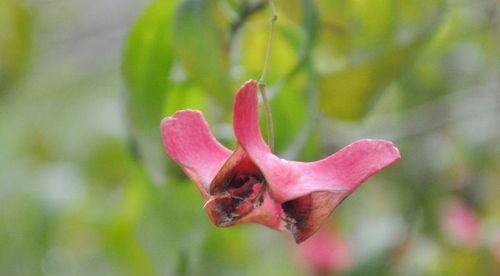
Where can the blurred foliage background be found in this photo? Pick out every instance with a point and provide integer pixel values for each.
(87, 189)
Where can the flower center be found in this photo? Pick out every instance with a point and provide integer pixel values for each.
(243, 193)
(237, 189)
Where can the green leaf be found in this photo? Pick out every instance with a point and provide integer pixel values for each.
(147, 63)
(289, 111)
(14, 41)
(284, 55)
(348, 94)
(310, 25)
(201, 47)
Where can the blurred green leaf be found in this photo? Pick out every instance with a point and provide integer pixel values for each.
(452, 61)
(301, 114)
(147, 63)
(15, 40)
(376, 265)
(308, 12)
(350, 27)
(284, 53)
(120, 237)
(202, 48)
(376, 19)
(174, 220)
(290, 109)
(185, 95)
(349, 93)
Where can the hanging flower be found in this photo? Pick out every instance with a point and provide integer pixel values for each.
(252, 185)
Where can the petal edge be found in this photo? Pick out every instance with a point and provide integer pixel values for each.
(189, 142)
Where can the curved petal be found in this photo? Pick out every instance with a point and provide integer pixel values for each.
(343, 171)
(246, 120)
(189, 141)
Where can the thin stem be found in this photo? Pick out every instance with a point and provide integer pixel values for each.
(262, 80)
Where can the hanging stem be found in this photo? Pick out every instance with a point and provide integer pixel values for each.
(262, 80)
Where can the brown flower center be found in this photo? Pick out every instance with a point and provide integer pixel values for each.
(242, 194)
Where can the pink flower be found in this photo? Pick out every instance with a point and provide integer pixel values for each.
(326, 252)
(460, 224)
(252, 185)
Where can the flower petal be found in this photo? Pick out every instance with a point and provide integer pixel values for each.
(343, 171)
(189, 141)
(246, 120)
